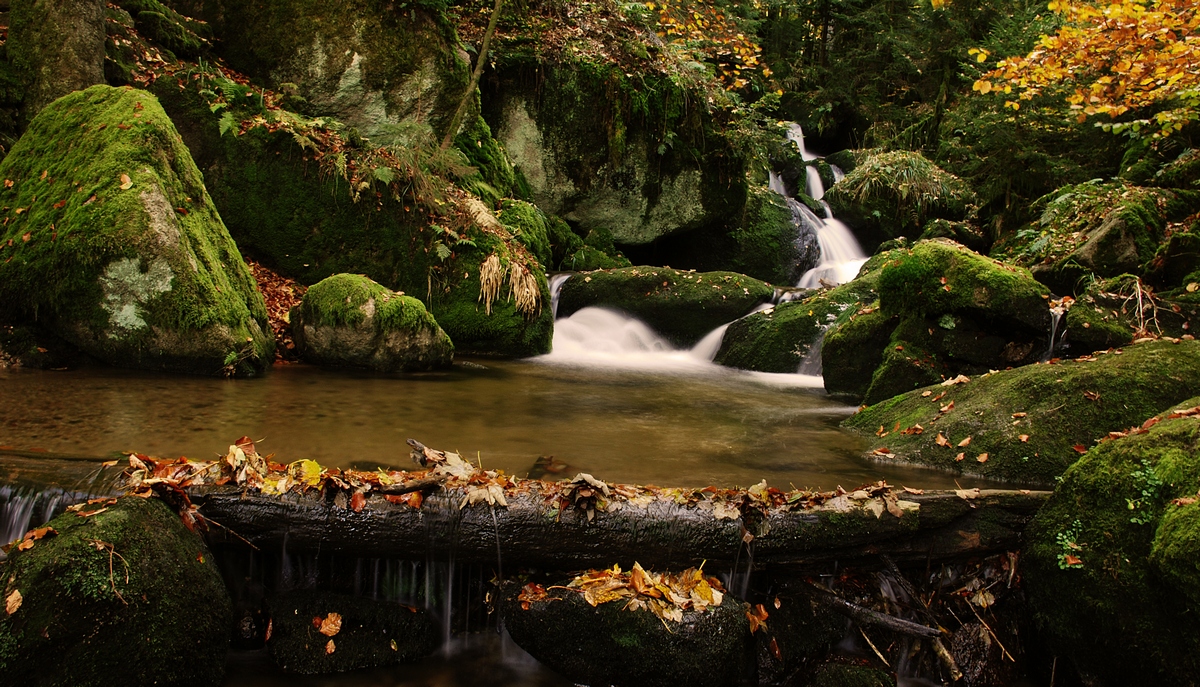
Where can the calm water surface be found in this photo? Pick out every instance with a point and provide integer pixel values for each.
(686, 426)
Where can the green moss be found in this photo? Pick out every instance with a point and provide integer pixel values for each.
(938, 277)
(128, 596)
(484, 152)
(897, 192)
(682, 306)
(529, 226)
(117, 267)
(184, 36)
(905, 365)
(338, 301)
(965, 233)
(282, 209)
(1065, 404)
(1183, 172)
(1088, 330)
(1119, 612)
(853, 351)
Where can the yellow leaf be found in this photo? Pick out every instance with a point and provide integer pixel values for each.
(12, 602)
(126, 182)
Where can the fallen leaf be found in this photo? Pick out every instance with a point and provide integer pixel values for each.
(910, 490)
(126, 182)
(758, 618)
(330, 647)
(1080, 448)
(983, 457)
(1091, 395)
(968, 494)
(331, 625)
(8, 183)
(357, 502)
(1072, 559)
(59, 205)
(941, 440)
(964, 443)
(270, 627)
(395, 647)
(26, 236)
(1024, 438)
(182, 211)
(948, 407)
(926, 394)
(1019, 415)
(960, 456)
(12, 602)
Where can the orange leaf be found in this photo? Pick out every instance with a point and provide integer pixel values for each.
(1072, 559)
(1024, 438)
(941, 440)
(331, 625)
(964, 443)
(960, 456)
(982, 458)
(357, 502)
(1080, 448)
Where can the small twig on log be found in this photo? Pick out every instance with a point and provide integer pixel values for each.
(247, 541)
(423, 484)
(866, 616)
(872, 645)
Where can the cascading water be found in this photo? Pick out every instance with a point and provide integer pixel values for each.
(841, 256)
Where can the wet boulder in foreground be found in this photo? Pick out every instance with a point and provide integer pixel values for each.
(348, 320)
(116, 593)
(1029, 424)
(608, 645)
(322, 632)
(1110, 561)
(681, 306)
(110, 241)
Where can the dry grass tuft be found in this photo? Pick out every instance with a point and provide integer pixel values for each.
(491, 278)
(525, 290)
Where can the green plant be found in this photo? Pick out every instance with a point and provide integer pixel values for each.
(1068, 542)
(1149, 488)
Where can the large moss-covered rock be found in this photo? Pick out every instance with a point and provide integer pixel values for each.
(1101, 228)
(1182, 172)
(347, 320)
(596, 151)
(126, 595)
(895, 193)
(1029, 421)
(612, 646)
(56, 47)
(370, 633)
(1110, 561)
(682, 306)
(366, 63)
(959, 312)
(283, 209)
(112, 241)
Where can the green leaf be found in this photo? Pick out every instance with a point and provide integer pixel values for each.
(228, 123)
(384, 174)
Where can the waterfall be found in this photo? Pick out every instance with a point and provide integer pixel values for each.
(841, 256)
(599, 337)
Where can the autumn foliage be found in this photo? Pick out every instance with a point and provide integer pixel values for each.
(1112, 58)
(711, 29)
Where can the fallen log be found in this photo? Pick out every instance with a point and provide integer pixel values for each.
(665, 535)
(476, 516)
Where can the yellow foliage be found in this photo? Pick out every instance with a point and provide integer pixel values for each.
(701, 25)
(1113, 57)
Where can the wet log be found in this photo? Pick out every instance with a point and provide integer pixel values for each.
(531, 532)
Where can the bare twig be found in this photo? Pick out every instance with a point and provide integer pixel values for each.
(872, 645)
(866, 616)
(989, 629)
(456, 120)
(423, 484)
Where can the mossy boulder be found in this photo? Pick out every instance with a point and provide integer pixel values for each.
(124, 596)
(347, 320)
(1029, 420)
(1110, 560)
(56, 47)
(1183, 172)
(777, 340)
(893, 193)
(366, 63)
(1113, 312)
(965, 233)
(599, 153)
(303, 223)
(372, 633)
(112, 242)
(803, 633)
(1100, 228)
(529, 226)
(608, 645)
(682, 306)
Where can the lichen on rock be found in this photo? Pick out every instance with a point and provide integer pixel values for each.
(112, 242)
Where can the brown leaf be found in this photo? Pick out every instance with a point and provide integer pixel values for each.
(357, 502)
(1091, 395)
(26, 236)
(758, 618)
(1080, 448)
(12, 602)
(941, 440)
(775, 650)
(1019, 415)
(983, 457)
(910, 490)
(59, 205)
(330, 647)
(1024, 438)
(182, 211)
(926, 394)
(960, 456)
(126, 182)
(331, 625)
(948, 407)
(8, 183)
(270, 628)
(964, 443)
(1072, 559)
(1150, 423)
